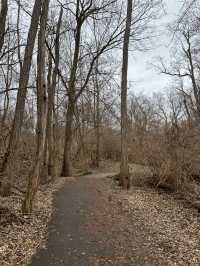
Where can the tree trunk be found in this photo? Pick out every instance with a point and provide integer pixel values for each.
(51, 96)
(66, 167)
(41, 114)
(44, 168)
(7, 81)
(22, 91)
(97, 118)
(124, 168)
(52, 157)
(3, 15)
(48, 138)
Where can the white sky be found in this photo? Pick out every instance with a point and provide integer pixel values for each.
(143, 76)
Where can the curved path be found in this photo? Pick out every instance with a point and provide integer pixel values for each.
(89, 227)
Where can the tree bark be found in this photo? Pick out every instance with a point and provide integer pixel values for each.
(66, 167)
(97, 118)
(124, 168)
(51, 97)
(22, 91)
(3, 15)
(48, 138)
(41, 114)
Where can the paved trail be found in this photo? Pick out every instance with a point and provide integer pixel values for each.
(89, 228)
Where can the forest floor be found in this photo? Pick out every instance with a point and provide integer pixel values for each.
(88, 220)
(21, 235)
(96, 223)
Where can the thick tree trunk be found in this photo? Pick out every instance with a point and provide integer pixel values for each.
(124, 168)
(41, 114)
(3, 15)
(21, 95)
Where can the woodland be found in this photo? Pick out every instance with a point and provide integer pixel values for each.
(68, 109)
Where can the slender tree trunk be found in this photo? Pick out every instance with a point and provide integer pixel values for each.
(97, 132)
(3, 15)
(52, 158)
(97, 118)
(22, 91)
(8, 80)
(80, 151)
(124, 168)
(5, 111)
(66, 167)
(51, 95)
(49, 131)
(189, 118)
(41, 114)
(48, 138)
(44, 168)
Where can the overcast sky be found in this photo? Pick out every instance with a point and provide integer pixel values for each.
(142, 75)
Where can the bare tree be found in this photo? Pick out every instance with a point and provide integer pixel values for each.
(107, 40)
(124, 168)
(97, 116)
(66, 168)
(41, 113)
(186, 65)
(49, 158)
(22, 91)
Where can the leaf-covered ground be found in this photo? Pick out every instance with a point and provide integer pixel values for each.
(20, 235)
(174, 228)
(96, 223)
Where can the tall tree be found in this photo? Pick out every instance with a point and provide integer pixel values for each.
(49, 155)
(41, 113)
(97, 116)
(124, 168)
(66, 168)
(22, 90)
(109, 37)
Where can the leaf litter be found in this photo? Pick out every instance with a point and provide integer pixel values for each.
(21, 235)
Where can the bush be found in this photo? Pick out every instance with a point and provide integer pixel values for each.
(170, 161)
